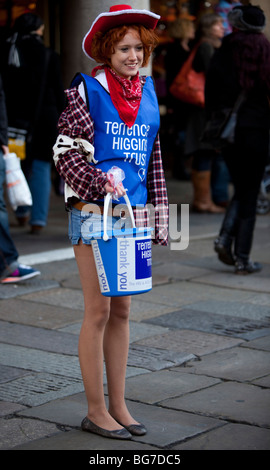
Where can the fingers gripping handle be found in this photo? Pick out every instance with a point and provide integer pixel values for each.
(107, 200)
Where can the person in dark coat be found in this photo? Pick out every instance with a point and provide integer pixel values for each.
(182, 32)
(209, 33)
(242, 63)
(11, 271)
(35, 98)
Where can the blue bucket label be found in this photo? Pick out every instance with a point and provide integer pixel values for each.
(143, 255)
(134, 264)
(102, 278)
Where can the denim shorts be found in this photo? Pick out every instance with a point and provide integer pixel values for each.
(82, 225)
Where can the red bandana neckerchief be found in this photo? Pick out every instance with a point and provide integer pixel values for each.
(125, 94)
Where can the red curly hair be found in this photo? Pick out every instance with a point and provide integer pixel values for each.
(103, 43)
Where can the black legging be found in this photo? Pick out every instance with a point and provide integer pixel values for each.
(246, 161)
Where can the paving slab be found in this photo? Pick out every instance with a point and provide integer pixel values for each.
(36, 389)
(230, 437)
(256, 282)
(227, 306)
(179, 271)
(231, 401)
(29, 286)
(262, 382)
(152, 358)
(78, 440)
(68, 298)
(209, 262)
(60, 270)
(17, 431)
(40, 361)
(39, 314)
(165, 427)
(38, 338)
(10, 373)
(156, 386)
(216, 323)
(72, 282)
(260, 343)
(240, 364)
(9, 408)
(141, 310)
(137, 330)
(194, 342)
(184, 293)
(48, 376)
(260, 299)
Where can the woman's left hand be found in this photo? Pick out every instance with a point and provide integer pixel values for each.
(5, 149)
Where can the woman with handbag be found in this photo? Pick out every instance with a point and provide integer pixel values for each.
(210, 32)
(115, 115)
(242, 64)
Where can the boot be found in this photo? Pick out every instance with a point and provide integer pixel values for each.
(242, 247)
(223, 244)
(202, 193)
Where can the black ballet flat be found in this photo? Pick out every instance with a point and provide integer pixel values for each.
(135, 429)
(89, 426)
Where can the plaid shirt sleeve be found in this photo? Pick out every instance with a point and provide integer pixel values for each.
(156, 212)
(88, 181)
(85, 179)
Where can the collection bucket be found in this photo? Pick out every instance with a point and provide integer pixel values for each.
(123, 258)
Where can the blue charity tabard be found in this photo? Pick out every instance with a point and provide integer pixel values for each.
(118, 145)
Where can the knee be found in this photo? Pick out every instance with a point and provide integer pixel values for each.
(120, 309)
(97, 315)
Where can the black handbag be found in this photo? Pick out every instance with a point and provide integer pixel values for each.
(219, 130)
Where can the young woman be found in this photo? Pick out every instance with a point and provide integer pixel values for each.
(242, 64)
(114, 117)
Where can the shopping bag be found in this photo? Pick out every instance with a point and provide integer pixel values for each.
(188, 85)
(17, 141)
(17, 187)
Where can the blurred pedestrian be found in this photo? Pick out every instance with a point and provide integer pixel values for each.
(35, 98)
(182, 31)
(209, 33)
(11, 271)
(222, 8)
(104, 114)
(242, 64)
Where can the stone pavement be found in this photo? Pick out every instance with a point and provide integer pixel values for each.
(198, 372)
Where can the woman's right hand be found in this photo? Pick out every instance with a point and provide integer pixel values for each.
(119, 190)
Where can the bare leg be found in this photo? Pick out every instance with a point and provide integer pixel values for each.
(116, 345)
(97, 311)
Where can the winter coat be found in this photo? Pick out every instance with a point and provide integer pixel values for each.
(222, 88)
(34, 94)
(3, 116)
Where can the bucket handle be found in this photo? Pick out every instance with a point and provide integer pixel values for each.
(105, 213)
